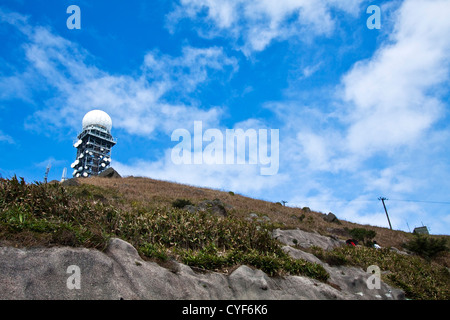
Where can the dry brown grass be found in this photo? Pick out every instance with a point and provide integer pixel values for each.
(155, 193)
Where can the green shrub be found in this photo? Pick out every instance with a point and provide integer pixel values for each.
(154, 251)
(426, 246)
(363, 235)
(269, 262)
(333, 257)
(181, 203)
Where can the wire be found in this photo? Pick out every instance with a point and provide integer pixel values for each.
(373, 200)
(424, 201)
(336, 200)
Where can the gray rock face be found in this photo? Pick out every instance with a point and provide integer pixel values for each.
(330, 217)
(215, 207)
(70, 183)
(305, 239)
(120, 273)
(350, 280)
(109, 173)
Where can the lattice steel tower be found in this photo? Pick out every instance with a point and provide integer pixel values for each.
(93, 145)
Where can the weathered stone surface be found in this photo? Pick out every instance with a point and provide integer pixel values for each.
(190, 208)
(70, 183)
(351, 280)
(299, 254)
(330, 217)
(254, 217)
(120, 273)
(215, 207)
(398, 251)
(109, 173)
(305, 239)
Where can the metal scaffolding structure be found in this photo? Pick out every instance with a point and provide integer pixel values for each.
(93, 145)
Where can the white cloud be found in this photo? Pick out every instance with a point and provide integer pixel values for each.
(157, 100)
(255, 24)
(394, 96)
(310, 70)
(6, 138)
(50, 161)
(384, 103)
(316, 149)
(392, 180)
(383, 133)
(154, 101)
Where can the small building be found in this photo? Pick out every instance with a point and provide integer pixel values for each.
(421, 230)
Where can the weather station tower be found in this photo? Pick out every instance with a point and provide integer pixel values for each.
(93, 145)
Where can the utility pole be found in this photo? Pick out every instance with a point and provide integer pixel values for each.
(382, 200)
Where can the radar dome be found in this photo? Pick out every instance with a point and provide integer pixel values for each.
(97, 118)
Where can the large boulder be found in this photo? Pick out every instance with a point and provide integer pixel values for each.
(306, 239)
(109, 173)
(330, 217)
(70, 183)
(215, 207)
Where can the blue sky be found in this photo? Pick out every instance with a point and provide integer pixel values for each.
(361, 113)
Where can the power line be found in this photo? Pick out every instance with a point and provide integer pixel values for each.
(424, 201)
(336, 200)
(373, 200)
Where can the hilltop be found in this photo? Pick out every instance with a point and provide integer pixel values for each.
(157, 193)
(174, 227)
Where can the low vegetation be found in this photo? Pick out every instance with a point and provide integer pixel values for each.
(363, 235)
(418, 278)
(49, 214)
(426, 246)
(181, 203)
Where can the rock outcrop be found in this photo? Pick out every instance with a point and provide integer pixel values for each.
(109, 173)
(215, 207)
(120, 273)
(330, 217)
(306, 239)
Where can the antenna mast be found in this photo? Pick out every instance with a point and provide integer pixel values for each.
(64, 175)
(47, 171)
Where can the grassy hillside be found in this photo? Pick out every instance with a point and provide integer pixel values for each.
(144, 212)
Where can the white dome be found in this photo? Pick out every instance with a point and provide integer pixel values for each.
(98, 118)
